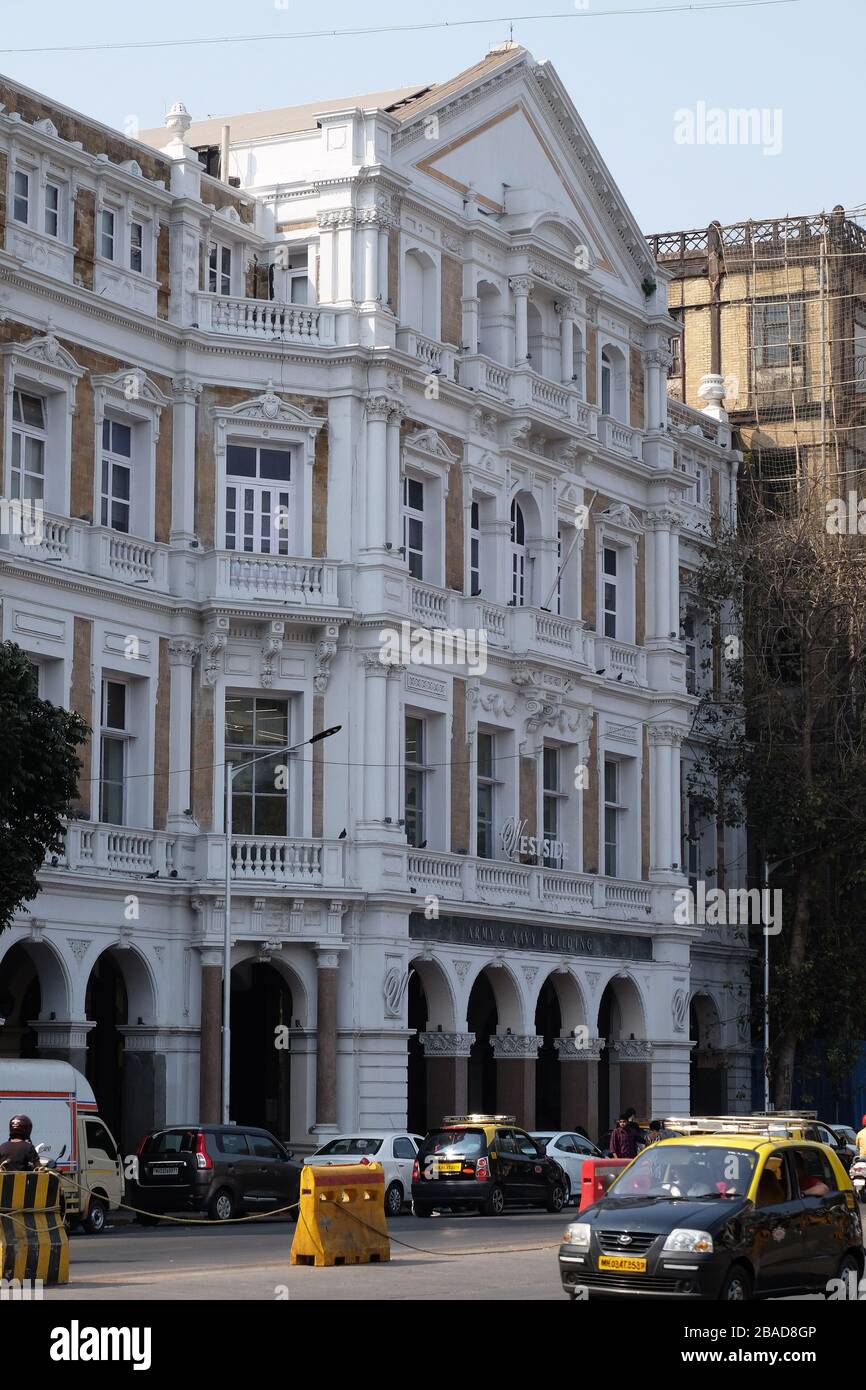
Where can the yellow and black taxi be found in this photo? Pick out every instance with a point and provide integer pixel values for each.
(719, 1216)
(484, 1163)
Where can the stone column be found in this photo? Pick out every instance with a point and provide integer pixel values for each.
(565, 313)
(382, 253)
(393, 518)
(375, 737)
(393, 741)
(182, 653)
(663, 589)
(210, 1039)
(634, 1058)
(378, 410)
(661, 817)
(579, 1082)
(369, 228)
(143, 1104)
(516, 1056)
(328, 964)
(183, 431)
(521, 287)
(447, 1066)
(470, 304)
(63, 1040)
(657, 362)
(671, 1079)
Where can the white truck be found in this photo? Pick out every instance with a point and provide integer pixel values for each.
(62, 1106)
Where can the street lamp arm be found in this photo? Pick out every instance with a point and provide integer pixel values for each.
(281, 752)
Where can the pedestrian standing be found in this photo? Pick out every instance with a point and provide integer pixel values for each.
(623, 1140)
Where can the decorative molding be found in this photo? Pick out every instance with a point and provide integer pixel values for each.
(429, 442)
(679, 1010)
(509, 1047)
(630, 1049)
(570, 1050)
(271, 648)
(446, 1044)
(326, 650)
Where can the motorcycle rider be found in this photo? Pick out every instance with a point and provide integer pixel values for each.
(860, 1141)
(18, 1155)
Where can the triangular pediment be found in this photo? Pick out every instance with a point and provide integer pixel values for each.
(512, 144)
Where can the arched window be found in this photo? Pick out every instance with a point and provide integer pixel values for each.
(606, 383)
(518, 555)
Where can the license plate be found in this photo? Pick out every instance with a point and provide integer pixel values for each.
(164, 1172)
(630, 1265)
(448, 1167)
(858, 1182)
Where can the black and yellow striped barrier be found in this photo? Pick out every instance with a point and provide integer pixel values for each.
(33, 1239)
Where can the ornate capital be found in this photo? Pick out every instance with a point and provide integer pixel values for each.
(380, 407)
(521, 285)
(630, 1049)
(182, 651)
(667, 734)
(573, 1050)
(662, 519)
(446, 1044)
(335, 218)
(511, 1047)
(185, 389)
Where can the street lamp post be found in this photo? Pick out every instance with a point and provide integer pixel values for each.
(231, 771)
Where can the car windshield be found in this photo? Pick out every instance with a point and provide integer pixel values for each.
(687, 1171)
(542, 1138)
(351, 1146)
(466, 1142)
(171, 1141)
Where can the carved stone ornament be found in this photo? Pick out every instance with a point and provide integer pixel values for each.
(679, 1010)
(630, 1049)
(573, 1050)
(446, 1044)
(509, 1047)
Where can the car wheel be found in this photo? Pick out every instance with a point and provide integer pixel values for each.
(495, 1204)
(394, 1200)
(556, 1197)
(94, 1221)
(145, 1219)
(422, 1209)
(221, 1206)
(567, 1186)
(849, 1275)
(737, 1287)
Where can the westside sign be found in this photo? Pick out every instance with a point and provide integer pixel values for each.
(514, 841)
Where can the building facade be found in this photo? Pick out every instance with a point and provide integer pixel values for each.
(372, 434)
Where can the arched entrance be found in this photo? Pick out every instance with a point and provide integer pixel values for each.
(548, 1068)
(260, 1080)
(708, 1077)
(20, 1003)
(482, 1017)
(623, 1080)
(107, 1006)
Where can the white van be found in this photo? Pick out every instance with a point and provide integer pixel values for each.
(62, 1106)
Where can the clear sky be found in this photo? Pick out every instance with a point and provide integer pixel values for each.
(631, 77)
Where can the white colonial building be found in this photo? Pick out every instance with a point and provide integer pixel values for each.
(400, 377)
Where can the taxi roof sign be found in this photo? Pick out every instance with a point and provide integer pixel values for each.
(480, 1120)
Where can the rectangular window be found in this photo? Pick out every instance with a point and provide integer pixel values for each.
(612, 812)
(259, 515)
(486, 796)
(28, 447)
(691, 655)
(609, 565)
(413, 525)
(116, 494)
(778, 334)
(416, 773)
(219, 268)
(106, 234)
(21, 196)
(475, 549)
(113, 753)
(257, 727)
(552, 795)
(136, 246)
(52, 210)
(299, 285)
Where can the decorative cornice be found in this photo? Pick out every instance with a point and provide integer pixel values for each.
(509, 1047)
(573, 1050)
(446, 1044)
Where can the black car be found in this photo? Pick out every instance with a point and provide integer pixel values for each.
(485, 1163)
(218, 1169)
(728, 1217)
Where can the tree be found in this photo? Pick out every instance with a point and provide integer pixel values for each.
(39, 779)
(783, 733)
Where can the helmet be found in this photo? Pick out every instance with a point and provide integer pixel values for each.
(20, 1127)
(863, 1121)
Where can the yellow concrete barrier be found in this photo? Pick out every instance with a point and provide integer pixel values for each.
(341, 1220)
(33, 1239)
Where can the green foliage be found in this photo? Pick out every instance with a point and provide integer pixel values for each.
(39, 780)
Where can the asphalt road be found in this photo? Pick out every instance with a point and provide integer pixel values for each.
(449, 1257)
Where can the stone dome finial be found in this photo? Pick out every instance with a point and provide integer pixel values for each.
(178, 120)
